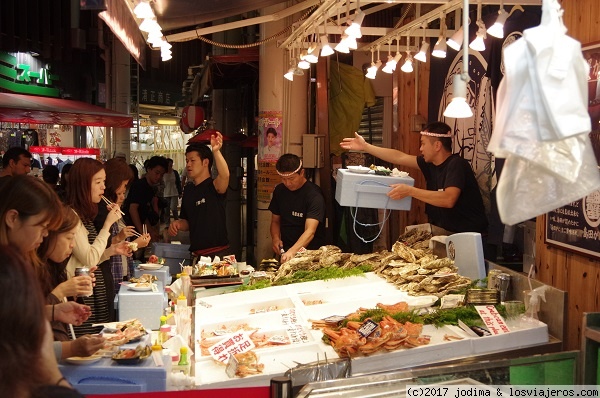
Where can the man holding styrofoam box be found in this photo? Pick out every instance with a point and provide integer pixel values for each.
(453, 198)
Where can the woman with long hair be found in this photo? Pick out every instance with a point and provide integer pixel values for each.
(28, 209)
(84, 192)
(118, 175)
(54, 253)
(28, 367)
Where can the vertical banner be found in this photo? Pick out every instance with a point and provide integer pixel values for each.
(270, 129)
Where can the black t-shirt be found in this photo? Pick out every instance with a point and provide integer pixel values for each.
(204, 209)
(294, 207)
(141, 193)
(468, 214)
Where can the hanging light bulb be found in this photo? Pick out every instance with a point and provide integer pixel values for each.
(478, 43)
(354, 28)
(143, 10)
(326, 49)
(458, 107)
(390, 65)
(342, 46)
(456, 40)
(290, 74)
(408, 64)
(351, 42)
(497, 29)
(149, 25)
(422, 54)
(372, 70)
(303, 64)
(440, 48)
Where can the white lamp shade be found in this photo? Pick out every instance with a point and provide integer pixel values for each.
(166, 57)
(149, 25)
(458, 107)
(371, 71)
(390, 65)
(342, 47)
(497, 29)
(351, 42)
(290, 74)
(326, 49)
(422, 54)
(439, 50)
(354, 28)
(143, 10)
(477, 44)
(408, 64)
(456, 40)
(303, 64)
(312, 58)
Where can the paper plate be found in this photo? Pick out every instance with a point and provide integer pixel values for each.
(83, 360)
(359, 169)
(139, 288)
(150, 266)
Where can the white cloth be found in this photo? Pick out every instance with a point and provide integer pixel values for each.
(542, 123)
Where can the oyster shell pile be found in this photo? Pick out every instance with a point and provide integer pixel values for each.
(410, 265)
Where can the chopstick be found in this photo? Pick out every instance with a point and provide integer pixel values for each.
(108, 202)
(136, 233)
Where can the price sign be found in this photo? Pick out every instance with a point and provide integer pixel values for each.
(236, 344)
(492, 319)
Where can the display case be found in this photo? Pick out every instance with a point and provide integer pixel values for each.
(282, 315)
(548, 369)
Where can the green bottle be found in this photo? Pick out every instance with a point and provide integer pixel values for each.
(183, 358)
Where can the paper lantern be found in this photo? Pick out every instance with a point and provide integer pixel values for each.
(184, 127)
(192, 116)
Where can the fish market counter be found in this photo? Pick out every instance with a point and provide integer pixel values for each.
(276, 325)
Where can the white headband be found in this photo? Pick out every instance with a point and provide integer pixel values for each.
(292, 173)
(449, 134)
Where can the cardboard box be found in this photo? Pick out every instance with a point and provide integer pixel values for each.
(369, 190)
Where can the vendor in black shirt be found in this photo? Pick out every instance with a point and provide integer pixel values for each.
(203, 203)
(298, 210)
(453, 198)
(139, 206)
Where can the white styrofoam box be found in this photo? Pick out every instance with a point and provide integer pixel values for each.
(210, 373)
(162, 274)
(528, 334)
(206, 327)
(341, 294)
(260, 335)
(107, 377)
(352, 304)
(369, 190)
(244, 296)
(245, 308)
(145, 306)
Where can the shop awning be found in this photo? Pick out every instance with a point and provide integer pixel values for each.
(19, 108)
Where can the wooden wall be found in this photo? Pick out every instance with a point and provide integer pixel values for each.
(578, 275)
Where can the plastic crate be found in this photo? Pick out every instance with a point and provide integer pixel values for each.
(173, 255)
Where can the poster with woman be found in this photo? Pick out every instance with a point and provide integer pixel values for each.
(270, 131)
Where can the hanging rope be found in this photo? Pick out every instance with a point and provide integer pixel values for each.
(260, 42)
